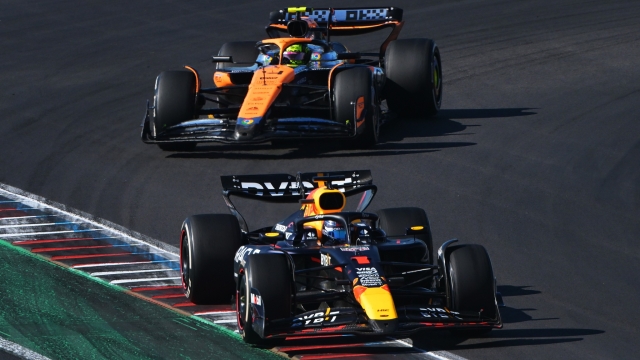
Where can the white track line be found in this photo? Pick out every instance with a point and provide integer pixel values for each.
(111, 264)
(216, 313)
(19, 351)
(47, 233)
(224, 321)
(36, 225)
(88, 218)
(25, 217)
(121, 263)
(439, 355)
(106, 273)
(128, 281)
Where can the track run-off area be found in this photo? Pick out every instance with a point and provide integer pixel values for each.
(535, 154)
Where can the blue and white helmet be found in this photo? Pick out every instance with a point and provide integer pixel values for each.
(334, 233)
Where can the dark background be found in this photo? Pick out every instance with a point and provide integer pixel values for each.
(535, 153)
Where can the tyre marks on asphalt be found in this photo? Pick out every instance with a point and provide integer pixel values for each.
(149, 271)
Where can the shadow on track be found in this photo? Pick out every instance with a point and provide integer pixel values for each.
(501, 338)
(336, 348)
(444, 125)
(505, 337)
(512, 315)
(510, 290)
(326, 150)
(391, 135)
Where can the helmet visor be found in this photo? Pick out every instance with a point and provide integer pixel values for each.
(293, 55)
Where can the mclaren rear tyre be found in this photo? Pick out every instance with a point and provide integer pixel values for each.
(396, 221)
(208, 244)
(354, 94)
(272, 276)
(414, 77)
(174, 102)
(471, 283)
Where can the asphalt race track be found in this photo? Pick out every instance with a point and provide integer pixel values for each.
(535, 153)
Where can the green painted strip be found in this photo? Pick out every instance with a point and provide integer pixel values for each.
(49, 309)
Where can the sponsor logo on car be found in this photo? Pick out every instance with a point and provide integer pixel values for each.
(256, 299)
(278, 190)
(354, 248)
(369, 276)
(310, 235)
(291, 187)
(317, 319)
(242, 252)
(436, 312)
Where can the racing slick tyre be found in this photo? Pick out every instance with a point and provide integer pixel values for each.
(349, 86)
(272, 276)
(471, 281)
(395, 221)
(240, 52)
(414, 77)
(174, 102)
(208, 244)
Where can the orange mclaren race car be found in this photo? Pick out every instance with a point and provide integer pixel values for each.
(299, 84)
(331, 272)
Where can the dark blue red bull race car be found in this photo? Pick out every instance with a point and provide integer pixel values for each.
(325, 270)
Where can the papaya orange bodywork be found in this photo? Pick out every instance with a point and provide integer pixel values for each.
(221, 79)
(196, 75)
(359, 110)
(264, 89)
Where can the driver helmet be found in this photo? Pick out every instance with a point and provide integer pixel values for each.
(297, 54)
(333, 233)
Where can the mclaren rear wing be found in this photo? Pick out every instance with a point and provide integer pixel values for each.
(285, 188)
(342, 21)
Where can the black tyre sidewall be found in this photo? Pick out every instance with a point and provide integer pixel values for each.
(349, 85)
(212, 241)
(240, 51)
(410, 88)
(395, 221)
(471, 280)
(174, 100)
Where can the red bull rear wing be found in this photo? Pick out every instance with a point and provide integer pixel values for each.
(290, 188)
(284, 188)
